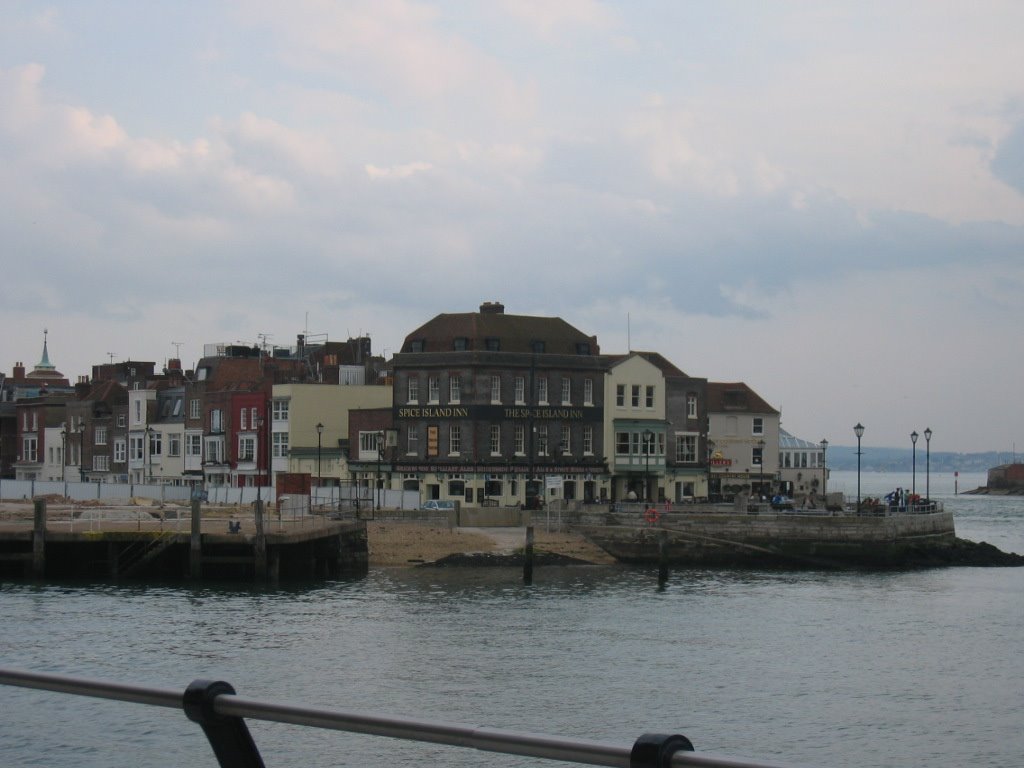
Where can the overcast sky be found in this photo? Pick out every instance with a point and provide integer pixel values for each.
(825, 200)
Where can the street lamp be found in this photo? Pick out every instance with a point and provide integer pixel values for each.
(319, 435)
(760, 482)
(380, 455)
(859, 431)
(259, 469)
(913, 465)
(648, 437)
(824, 472)
(64, 454)
(147, 464)
(711, 451)
(81, 451)
(928, 464)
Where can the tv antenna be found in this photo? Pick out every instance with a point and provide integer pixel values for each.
(177, 348)
(111, 356)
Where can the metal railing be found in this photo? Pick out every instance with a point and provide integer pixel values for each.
(220, 712)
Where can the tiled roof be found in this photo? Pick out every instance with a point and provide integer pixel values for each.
(656, 359)
(735, 396)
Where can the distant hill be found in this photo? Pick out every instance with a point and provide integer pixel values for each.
(841, 457)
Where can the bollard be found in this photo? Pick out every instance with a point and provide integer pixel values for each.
(39, 538)
(195, 552)
(662, 557)
(261, 541)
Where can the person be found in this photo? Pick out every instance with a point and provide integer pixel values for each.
(631, 496)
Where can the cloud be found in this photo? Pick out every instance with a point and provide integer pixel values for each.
(1008, 161)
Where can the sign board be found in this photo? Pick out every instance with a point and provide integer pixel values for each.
(552, 482)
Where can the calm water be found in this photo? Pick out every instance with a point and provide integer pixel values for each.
(866, 669)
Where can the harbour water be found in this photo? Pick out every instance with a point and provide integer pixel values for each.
(797, 667)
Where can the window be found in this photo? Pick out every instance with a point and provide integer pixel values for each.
(370, 442)
(433, 389)
(588, 391)
(588, 440)
(215, 450)
(566, 391)
(416, 345)
(537, 346)
(454, 439)
(460, 343)
(30, 449)
(622, 443)
(455, 388)
(495, 440)
(100, 435)
(194, 445)
(120, 451)
(634, 397)
(542, 440)
(495, 388)
(564, 444)
(412, 390)
(756, 455)
(620, 395)
(216, 420)
(413, 440)
(279, 410)
(254, 417)
(246, 448)
(120, 419)
(174, 445)
(691, 406)
(520, 390)
(686, 448)
(649, 399)
(542, 391)
(520, 440)
(155, 443)
(279, 445)
(135, 447)
(758, 425)
(492, 344)
(456, 485)
(582, 348)
(138, 411)
(243, 421)
(193, 408)
(101, 463)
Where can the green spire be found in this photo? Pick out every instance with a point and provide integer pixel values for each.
(44, 364)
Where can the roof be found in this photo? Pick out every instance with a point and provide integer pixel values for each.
(735, 396)
(787, 440)
(515, 333)
(667, 368)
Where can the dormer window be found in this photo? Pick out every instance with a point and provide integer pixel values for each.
(416, 345)
(537, 346)
(582, 348)
(492, 344)
(460, 344)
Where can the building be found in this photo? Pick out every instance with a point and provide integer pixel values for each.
(744, 438)
(497, 408)
(802, 470)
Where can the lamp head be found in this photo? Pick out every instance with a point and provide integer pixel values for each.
(319, 428)
(913, 437)
(859, 430)
(824, 444)
(928, 433)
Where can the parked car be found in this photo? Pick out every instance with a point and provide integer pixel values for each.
(438, 505)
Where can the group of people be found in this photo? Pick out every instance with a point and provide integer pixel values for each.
(902, 498)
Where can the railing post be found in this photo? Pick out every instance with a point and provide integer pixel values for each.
(228, 735)
(655, 750)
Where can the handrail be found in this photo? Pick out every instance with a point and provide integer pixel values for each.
(216, 707)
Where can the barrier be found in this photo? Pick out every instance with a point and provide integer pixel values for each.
(219, 711)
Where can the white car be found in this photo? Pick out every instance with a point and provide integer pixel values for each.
(436, 504)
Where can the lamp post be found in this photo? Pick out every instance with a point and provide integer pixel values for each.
(380, 455)
(859, 431)
(648, 437)
(760, 482)
(913, 464)
(824, 471)
(259, 472)
(927, 464)
(319, 436)
(711, 451)
(81, 451)
(147, 463)
(63, 454)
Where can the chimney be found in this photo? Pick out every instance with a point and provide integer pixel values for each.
(19, 372)
(174, 364)
(492, 308)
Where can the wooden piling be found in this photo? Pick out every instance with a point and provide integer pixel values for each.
(39, 538)
(261, 542)
(662, 557)
(195, 551)
(528, 556)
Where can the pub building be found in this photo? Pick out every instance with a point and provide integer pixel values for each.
(492, 408)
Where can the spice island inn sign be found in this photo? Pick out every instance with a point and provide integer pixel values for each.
(499, 413)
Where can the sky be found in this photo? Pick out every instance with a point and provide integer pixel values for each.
(824, 200)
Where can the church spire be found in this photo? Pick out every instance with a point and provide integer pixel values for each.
(44, 364)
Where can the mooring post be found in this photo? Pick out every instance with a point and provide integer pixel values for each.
(662, 557)
(38, 538)
(195, 550)
(528, 556)
(261, 541)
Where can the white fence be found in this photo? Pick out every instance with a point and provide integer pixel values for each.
(326, 496)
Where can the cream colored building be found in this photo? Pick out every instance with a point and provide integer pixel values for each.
(296, 410)
(744, 441)
(635, 428)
